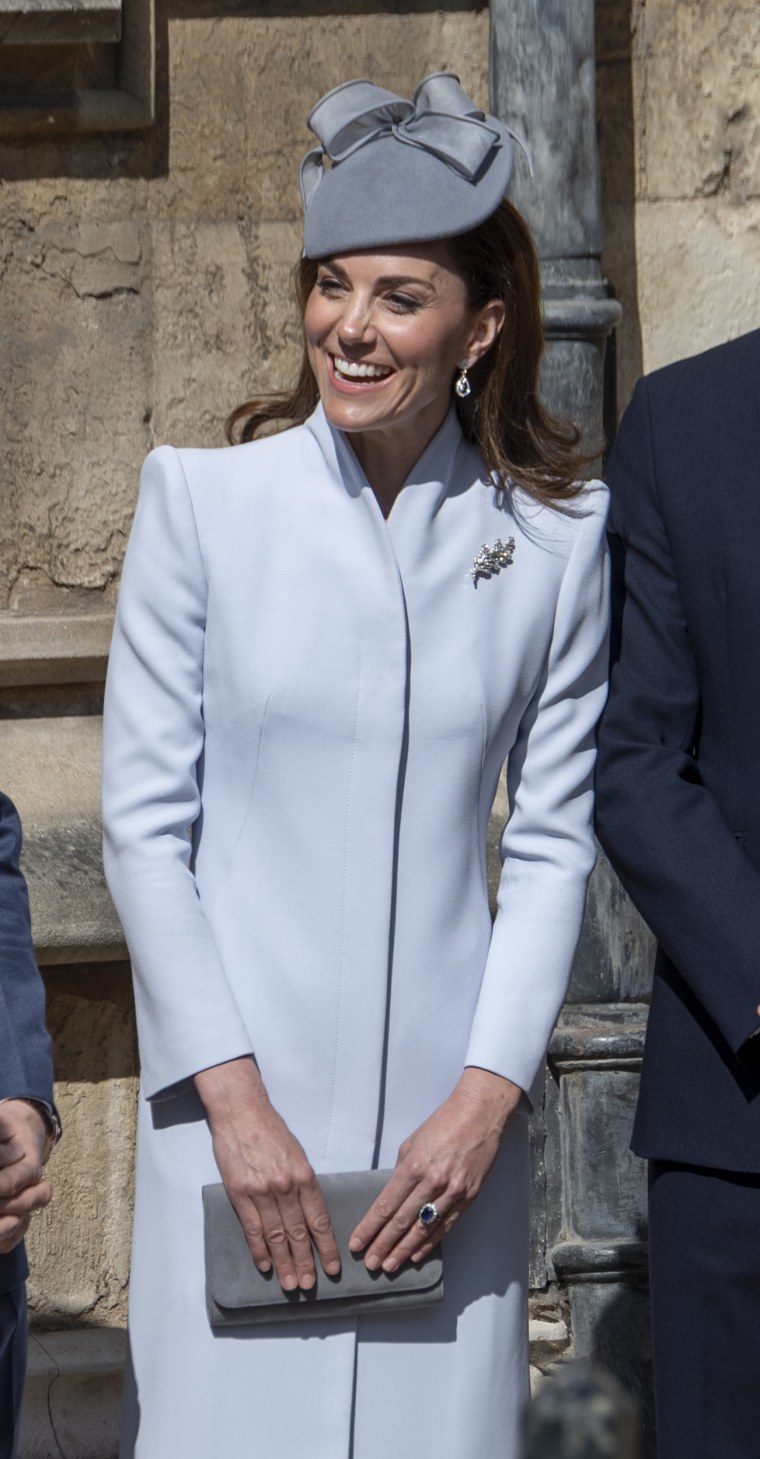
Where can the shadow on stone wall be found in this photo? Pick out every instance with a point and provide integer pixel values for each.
(616, 139)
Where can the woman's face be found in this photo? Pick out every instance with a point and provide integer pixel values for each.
(385, 331)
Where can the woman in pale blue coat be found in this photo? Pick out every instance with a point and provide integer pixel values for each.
(328, 641)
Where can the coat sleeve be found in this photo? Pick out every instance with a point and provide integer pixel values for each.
(660, 825)
(153, 742)
(26, 1069)
(547, 847)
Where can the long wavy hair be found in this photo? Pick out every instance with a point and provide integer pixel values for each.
(520, 441)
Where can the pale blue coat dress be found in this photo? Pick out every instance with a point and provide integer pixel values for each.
(326, 699)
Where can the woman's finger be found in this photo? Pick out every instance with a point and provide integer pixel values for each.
(320, 1227)
(278, 1245)
(383, 1210)
(250, 1220)
(434, 1237)
(280, 1231)
(404, 1232)
(297, 1235)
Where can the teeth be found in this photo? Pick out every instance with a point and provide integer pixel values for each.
(355, 371)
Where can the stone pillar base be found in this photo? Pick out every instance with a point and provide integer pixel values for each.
(73, 1394)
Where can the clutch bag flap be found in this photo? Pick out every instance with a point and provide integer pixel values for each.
(237, 1293)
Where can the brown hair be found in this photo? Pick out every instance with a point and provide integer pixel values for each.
(504, 417)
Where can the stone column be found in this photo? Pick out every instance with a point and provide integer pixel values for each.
(542, 85)
(588, 1223)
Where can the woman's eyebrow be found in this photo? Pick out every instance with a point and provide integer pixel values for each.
(386, 281)
(392, 281)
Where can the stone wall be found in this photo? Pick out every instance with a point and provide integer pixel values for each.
(678, 87)
(145, 278)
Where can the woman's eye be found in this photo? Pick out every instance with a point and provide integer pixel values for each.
(328, 285)
(403, 303)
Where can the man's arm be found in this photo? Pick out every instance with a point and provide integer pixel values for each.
(660, 825)
(27, 1117)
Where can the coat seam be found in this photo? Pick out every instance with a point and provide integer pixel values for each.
(196, 528)
(344, 900)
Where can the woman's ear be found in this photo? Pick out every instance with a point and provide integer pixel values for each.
(488, 326)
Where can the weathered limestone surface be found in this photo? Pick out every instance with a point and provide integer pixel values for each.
(79, 1247)
(699, 70)
(144, 281)
(72, 411)
(51, 768)
(698, 105)
(699, 274)
(53, 649)
(679, 130)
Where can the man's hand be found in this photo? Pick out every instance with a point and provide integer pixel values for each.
(23, 1142)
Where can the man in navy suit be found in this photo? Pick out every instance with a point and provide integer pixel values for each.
(679, 815)
(28, 1122)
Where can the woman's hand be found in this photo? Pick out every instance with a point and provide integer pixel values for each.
(446, 1161)
(267, 1176)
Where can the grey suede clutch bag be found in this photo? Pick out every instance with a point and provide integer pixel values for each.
(237, 1293)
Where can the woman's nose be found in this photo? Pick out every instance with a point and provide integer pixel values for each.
(356, 324)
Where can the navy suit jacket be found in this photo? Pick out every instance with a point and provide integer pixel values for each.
(25, 1062)
(679, 765)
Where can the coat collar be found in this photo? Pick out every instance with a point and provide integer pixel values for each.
(447, 466)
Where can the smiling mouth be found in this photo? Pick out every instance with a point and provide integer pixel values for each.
(363, 373)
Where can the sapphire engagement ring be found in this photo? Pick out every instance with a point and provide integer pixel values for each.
(428, 1214)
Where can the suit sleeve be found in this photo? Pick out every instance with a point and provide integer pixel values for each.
(548, 844)
(660, 825)
(153, 742)
(26, 1069)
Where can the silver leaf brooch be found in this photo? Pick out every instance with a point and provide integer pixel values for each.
(491, 560)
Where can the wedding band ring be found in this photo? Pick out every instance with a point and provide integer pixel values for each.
(428, 1214)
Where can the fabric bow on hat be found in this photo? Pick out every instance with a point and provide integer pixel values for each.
(441, 118)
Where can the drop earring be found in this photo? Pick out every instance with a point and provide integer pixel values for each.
(461, 384)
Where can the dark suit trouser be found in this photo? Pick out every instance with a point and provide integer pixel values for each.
(704, 1252)
(12, 1366)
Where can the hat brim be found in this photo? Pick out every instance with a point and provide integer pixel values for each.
(389, 192)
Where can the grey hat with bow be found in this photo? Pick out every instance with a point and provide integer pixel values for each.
(400, 171)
